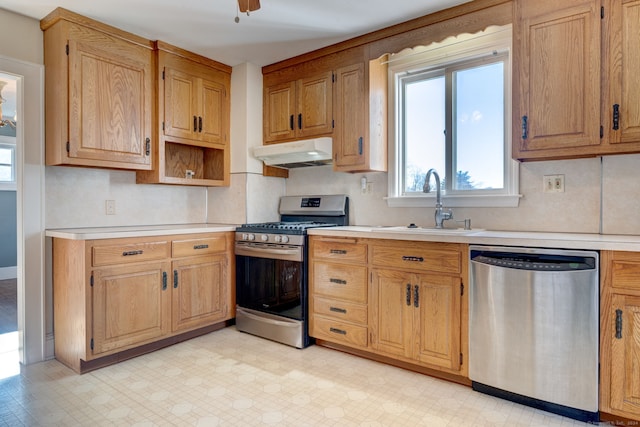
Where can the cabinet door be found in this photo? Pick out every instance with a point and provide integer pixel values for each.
(556, 78)
(199, 292)
(315, 105)
(279, 112)
(391, 312)
(437, 321)
(621, 113)
(180, 105)
(110, 102)
(213, 110)
(625, 353)
(130, 305)
(349, 143)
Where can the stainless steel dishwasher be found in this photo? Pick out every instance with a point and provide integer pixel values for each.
(533, 327)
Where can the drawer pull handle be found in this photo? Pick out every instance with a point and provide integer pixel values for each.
(175, 279)
(412, 258)
(338, 331)
(129, 253)
(416, 296)
(338, 281)
(338, 251)
(338, 310)
(619, 324)
(164, 280)
(408, 295)
(200, 246)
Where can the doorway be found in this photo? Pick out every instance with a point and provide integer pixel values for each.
(9, 357)
(29, 193)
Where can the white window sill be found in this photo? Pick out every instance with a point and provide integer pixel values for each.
(467, 201)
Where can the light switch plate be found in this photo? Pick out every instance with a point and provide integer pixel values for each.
(553, 184)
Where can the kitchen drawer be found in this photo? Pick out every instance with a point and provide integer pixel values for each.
(336, 250)
(339, 332)
(340, 281)
(125, 253)
(194, 247)
(625, 270)
(340, 310)
(439, 257)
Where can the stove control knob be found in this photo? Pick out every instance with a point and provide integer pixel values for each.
(278, 238)
(264, 238)
(250, 237)
(284, 239)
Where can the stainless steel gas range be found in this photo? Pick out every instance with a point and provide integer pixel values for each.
(272, 268)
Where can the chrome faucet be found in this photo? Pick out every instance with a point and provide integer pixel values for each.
(441, 214)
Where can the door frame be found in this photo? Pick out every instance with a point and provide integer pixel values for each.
(30, 183)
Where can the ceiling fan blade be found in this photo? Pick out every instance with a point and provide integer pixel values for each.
(248, 5)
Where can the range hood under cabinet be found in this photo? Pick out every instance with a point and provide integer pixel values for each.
(288, 155)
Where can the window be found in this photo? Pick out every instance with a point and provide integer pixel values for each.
(7, 163)
(452, 113)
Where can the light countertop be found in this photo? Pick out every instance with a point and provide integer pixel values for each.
(486, 237)
(136, 231)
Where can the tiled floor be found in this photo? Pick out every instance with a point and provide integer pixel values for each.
(228, 378)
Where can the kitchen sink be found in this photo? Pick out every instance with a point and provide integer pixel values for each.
(425, 230)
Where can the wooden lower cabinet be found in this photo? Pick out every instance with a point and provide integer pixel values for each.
(620, 334)
(113, 297)
(416, 317)
(401, 300)
(199, 292)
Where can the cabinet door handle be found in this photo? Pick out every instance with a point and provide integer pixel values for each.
(300, 121)
(130, 253)
(525, 127)
(338, 281)
(338, 331)
(175, 279)
(619, 324)
(338, 310)
(147, 147)
(195, 123)
(413, 258)
(360, 149)
(408, 296)
(199, 123)
(616, 116)
(164, 280)
(291, 122)
(200, 246)
(416, 296)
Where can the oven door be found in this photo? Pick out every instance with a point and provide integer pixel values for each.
(271, 279)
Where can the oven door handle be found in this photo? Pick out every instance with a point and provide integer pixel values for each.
(294, 254)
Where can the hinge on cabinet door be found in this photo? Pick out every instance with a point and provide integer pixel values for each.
(91, 344)
(461, 289)
(162, 74)
(333, 78)
(461, 358)
(67, 49)
(601, 131)
(601, 12)
(333, 124)
(91, 281)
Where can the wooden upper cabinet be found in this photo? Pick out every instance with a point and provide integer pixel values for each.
(556, 79)
(621, 103)
(360, 104)
(193, 146)
(98, 94)
(195, 105)
(299, 109)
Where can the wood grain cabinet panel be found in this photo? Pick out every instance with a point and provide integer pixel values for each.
(98, 94)
(620, 334)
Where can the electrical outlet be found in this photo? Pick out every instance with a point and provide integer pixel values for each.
(553, 183)
(110, 207)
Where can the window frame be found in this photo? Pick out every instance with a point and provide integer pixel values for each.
(10, 142)
(452, 53)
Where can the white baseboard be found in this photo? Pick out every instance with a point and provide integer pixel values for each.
(8, 273)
